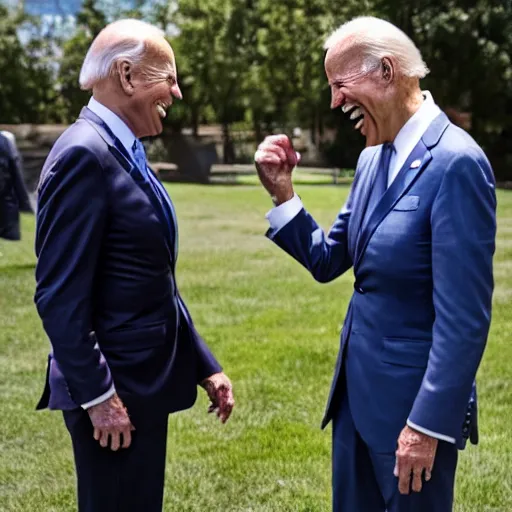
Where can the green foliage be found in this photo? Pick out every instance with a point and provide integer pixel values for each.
(27, 82)
(90, 21)
(260, 62)
(467, 45)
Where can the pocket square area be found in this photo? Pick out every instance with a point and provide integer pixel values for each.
(407, 204)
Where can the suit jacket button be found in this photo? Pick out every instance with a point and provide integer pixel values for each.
(357, 288)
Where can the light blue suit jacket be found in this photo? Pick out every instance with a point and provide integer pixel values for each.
(418, 320)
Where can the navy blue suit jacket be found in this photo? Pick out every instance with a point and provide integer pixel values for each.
(418, 320)
(106, 290)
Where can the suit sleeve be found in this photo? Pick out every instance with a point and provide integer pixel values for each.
(463, 224)
(325, 256)
(71, 217)
(207, 365)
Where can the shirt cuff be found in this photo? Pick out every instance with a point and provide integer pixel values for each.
(427, 432)
(100, 399)
(279, 216)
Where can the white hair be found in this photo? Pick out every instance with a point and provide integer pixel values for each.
(129, 45)
(378, 39)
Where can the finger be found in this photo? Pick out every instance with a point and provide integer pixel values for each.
(115, 442)
(97, 434)
(416, 480)
(291, 156)
(404, 477)
(267, 157)
(428, 474)
(280, 140)
(226, 408)
(226, 413)
(127, 438)
(104, 438)
(279, 151)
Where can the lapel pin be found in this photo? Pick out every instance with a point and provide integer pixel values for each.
(415, 164)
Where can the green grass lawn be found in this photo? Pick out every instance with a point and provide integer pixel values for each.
(276, 332)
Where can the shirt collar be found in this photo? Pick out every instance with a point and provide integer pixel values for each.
(416, 126)
(115, 123)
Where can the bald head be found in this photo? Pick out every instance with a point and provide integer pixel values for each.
(132, 41)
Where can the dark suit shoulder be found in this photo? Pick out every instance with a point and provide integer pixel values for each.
(79, 136)
(79, 147)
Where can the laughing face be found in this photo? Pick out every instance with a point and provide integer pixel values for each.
(155, 84)
(361, 91)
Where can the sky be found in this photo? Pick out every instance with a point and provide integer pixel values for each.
(60, 7)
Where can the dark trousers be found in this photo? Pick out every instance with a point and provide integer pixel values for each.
(129, 480)
(363, 480)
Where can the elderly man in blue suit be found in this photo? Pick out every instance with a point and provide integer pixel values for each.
(418, 228)
(125, 350)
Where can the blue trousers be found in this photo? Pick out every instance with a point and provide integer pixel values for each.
(363, 480)
(129, 480)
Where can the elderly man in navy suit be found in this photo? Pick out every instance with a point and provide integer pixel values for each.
(419, 229)
(125, 352)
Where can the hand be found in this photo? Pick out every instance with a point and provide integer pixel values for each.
(220, 392)
(110, 419)
(415, 454)
(275, 160)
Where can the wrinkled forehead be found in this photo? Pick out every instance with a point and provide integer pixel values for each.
(159, 55)
(344, 59)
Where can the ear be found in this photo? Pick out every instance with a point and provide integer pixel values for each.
(388, 70)
(125, 72)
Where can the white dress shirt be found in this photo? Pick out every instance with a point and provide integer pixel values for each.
(404, 143)
(127, 138)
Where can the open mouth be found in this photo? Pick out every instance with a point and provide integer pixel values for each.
(162, 107)
(355, 114)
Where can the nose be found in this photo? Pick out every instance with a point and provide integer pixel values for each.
(337, 98)
(176, 92)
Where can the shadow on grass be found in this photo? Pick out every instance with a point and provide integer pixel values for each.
(11, 269)
(241, 183)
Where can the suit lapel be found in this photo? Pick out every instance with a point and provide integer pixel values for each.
(364, 199)
(408, 174)
(119, 152)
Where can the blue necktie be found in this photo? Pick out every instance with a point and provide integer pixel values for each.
(380, 183)
(139, 155)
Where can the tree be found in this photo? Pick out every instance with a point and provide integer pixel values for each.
(467, 45)
(212, 54)
(27, 85)
(90, 21)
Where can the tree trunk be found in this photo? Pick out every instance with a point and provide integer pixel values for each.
(228, 147)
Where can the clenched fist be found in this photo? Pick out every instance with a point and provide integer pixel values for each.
(275, 160)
